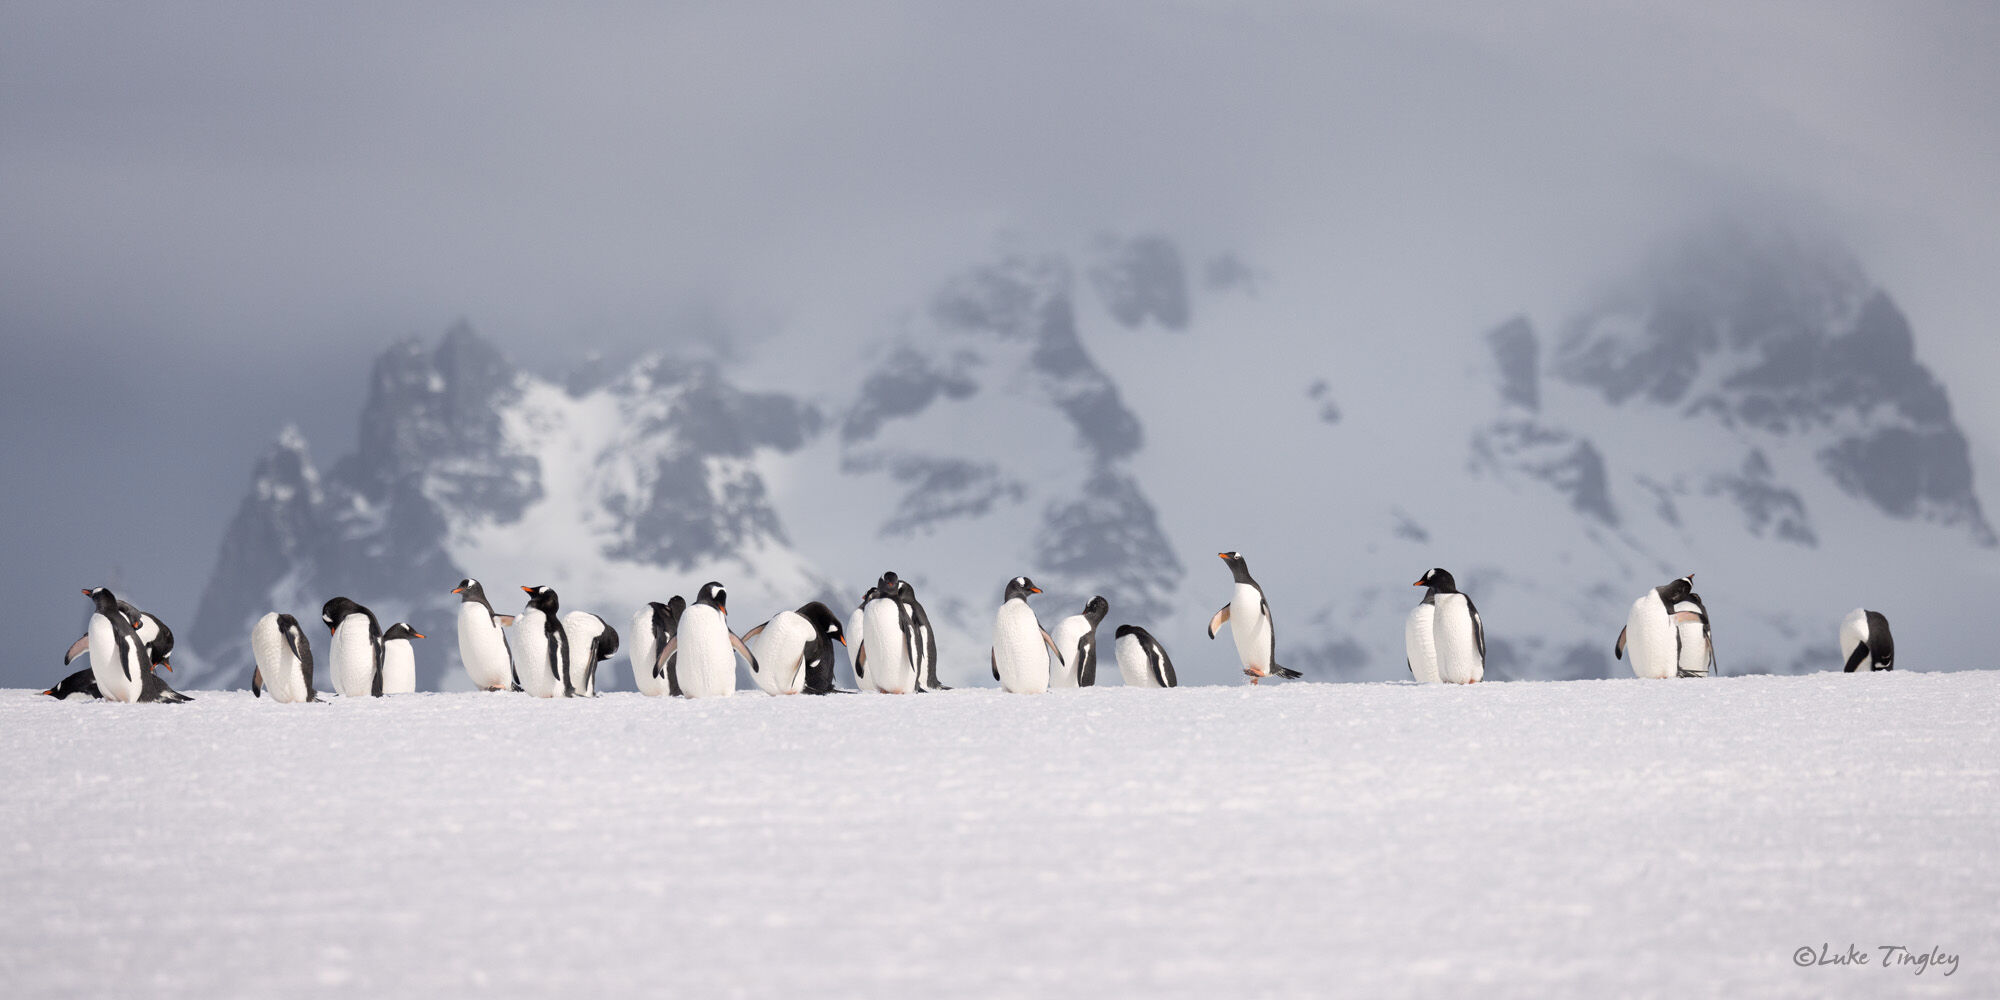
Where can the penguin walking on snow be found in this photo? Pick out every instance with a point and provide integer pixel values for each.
(1248, 616)
(705, 648)
(1021, 647)
(482, 639)
(399, 659)
(1651, 632)
(541, 647)
(118, 660)
(284, 658)
(592, 640)
(1420, 651)
(1076, 645)
(1697, 649)
(1458, 637)
(1142, 661)
(652, 628)
(1865, 639)
(890, 658)
(791, 645)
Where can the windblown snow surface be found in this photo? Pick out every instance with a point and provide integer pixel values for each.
(1584, 838)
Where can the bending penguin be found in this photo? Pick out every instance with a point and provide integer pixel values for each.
(1420, 651)
(705, 648)
(592, 640)
(890, 658)
(792, 645)
(1697, 649)
(355, 653)
(1651, 632)
(1076, 645)
(1248, 616)
(482, 639)
(284, 660)
(1865, 638)
(541, 647)
(1142, 661)
(399, 659)
(1458, 637)
(1021, 647)
(652, 628)
(857, 627)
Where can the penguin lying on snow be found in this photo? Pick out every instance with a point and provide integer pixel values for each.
(1076, 640)
(284, 660)
(1865, 638)
(1142, 661)
(1248, 616)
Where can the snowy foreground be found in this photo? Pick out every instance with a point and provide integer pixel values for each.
(1586, 839)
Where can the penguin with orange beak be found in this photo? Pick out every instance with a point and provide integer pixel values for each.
(1248, 616)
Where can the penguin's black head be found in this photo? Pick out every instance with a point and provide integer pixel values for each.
(1438, 579)
(823, 620)
(1020, 587)
(287, 625)
(542, 599)
(1125, 630)
(713, 595)
(1096, 610)
(607, 641)
(401, 630)
(162, 644)
(103, 601)
(887, 584)
(1238, 568)
(873, 594)
(469, 590)
(1677, 590)
(334, 611)
(905, 592)
(675, 605)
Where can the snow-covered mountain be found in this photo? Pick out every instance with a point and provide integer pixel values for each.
(1747, 406)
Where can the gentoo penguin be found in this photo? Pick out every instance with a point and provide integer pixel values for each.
(1076, 646)
(591, 641)
(1142, 661)
(651, 628)
(1420, 652)
(1865, 638)
(923, 639)
(83, 682)
(705, 649)
(1697, 642)
(857, 646)
(399, 659)
(1249, 618)
(790, 644)
(1650, 630)
(159, 639)
(1021, 647)
(1458, 636)
(482, 639)
(819, 656)
(890, 658)
(355, 653)
(118, 659)
(541, 647)
(284, 660)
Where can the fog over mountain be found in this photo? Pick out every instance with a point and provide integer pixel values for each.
(1569, 301)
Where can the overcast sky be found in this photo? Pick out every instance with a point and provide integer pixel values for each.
(212, 217)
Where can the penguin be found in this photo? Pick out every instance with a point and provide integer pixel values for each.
(355, 654)
(541, 647)
(1248, 615)
(1697, 642)
(891, 656)
(652, 626)
(592, 640)
(399, 659)
(284, 660)
(1076, 641)
(705, 648)
(1419, 643)
(1650, 630)
(1021, 647)
(857, 648)
(1458, 636)
(1142, 661)
(158, 638)
(482, 639)
(118, 660)
(790, 645)
(1865, 638)
(83, 682)
(923, 641)
(819, 658)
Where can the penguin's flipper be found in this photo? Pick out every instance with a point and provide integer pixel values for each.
(1050, 642)
(1285, 672)
(257, 682)
(1618, 651)
(742, 650)
(1686, 617)
(1853, 659)
(1086, 660)
(504, 621)
(1221, 618)
(76, 649)
(994, 659)
(753, 633)
(860, 660)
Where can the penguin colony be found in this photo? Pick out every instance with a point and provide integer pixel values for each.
(678, 649)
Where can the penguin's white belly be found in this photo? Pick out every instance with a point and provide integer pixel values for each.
(352, 657)
(1650, 640)
(1420, 645)
(704, 659)
(1069, 672)
(1694, 646)
(1250, 628)
(1458, 659)
(889, 668)
(482, 647)
(1018, 652)
(118, 678)
(399, 667)
(284, 680)
(582, 628)
(532, 655)
(780, 651)
(1132, 664)
(641, 651)
(857, 638)
(1854, 632)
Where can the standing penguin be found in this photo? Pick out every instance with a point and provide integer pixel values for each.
(1248, 616)
(156, 641)
(891, 656)
(789, 646)
(541, 647)
(1021, 647)
(118, 660)
(1458, 636)
(482, 639)
(284, 660)
(705, 649)
(591, 641)
(355, 654)
(1076, 645)
(923, 639)
(857, 647)
(1865, 638)
(1697, 641)
(652, 627)
(1142, 661)
(1650, 631)
(399, 659)
(1420, 651)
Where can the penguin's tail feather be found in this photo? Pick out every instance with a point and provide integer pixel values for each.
(1285, 672)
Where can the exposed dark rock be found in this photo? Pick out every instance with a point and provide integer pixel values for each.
(1142, 278)
(1518, 355)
